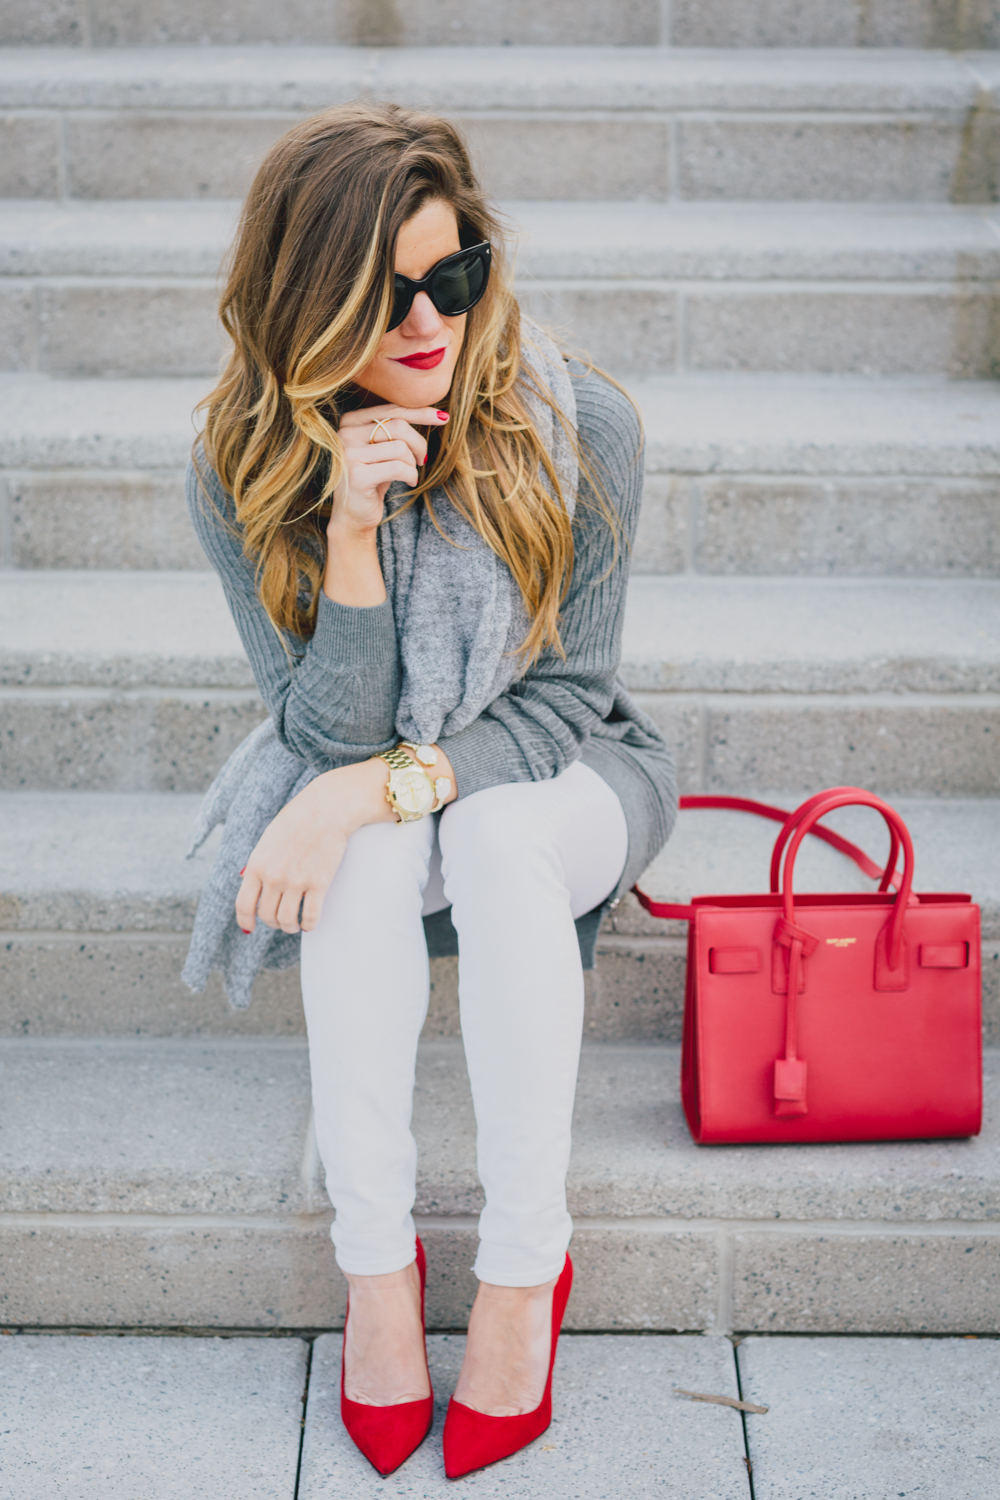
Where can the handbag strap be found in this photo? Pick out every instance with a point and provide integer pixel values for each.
(673, 911)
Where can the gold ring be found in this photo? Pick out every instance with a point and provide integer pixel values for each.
(382, 422)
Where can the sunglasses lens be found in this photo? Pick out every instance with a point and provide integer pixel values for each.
(456, 287)
(400, 302)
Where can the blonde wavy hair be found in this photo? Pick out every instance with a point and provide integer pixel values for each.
(306, 303)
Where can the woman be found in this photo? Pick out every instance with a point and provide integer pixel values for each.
(421, 520)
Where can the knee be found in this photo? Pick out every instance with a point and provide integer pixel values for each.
(494, 830)
(385, 857)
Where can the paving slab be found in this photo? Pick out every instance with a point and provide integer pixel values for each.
(617, 1430)
(863, 1419)
(164, 1418)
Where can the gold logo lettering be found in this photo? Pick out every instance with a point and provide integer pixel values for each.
(841, 942)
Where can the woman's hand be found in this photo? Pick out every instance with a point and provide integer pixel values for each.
(353, 575)
(300, 851)
(398, 452)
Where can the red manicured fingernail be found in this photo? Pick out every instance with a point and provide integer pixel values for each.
(443, 415)
(245, 931)
(244, 870)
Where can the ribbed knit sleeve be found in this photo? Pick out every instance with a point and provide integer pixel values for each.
(541, 724)
(333, 699)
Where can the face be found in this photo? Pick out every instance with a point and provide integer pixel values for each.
(425, 239)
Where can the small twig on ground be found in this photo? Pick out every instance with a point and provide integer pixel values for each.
(721, 1400)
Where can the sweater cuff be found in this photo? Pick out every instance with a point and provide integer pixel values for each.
(483, 754)
(354, 636)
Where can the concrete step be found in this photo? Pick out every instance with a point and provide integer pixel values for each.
(544, 122)
(97, 902)
(130, 288)
(887, 683)
(177, 1183)
(950, 24)
(775, 475)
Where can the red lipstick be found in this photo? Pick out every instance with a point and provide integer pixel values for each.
(426, 361)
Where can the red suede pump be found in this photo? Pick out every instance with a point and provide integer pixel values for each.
(473, 1439)
(387, 1435)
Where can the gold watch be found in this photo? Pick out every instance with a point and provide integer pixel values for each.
(410, 792)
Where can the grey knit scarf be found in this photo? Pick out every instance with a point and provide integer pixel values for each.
(459, 621)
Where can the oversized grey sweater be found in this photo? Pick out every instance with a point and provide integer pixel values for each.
(337, 702)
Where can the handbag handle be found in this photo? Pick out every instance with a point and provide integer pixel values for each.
(673, 910)
(889, 876)
(849, 796)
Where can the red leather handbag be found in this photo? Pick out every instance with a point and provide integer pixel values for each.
(846, 1017)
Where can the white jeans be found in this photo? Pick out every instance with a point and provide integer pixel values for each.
(518, 863)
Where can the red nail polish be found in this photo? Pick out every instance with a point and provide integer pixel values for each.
(443, 415)
(244, 870)
(245, 931)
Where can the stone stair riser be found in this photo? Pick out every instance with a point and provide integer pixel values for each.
(81, 738)
(950, 24)
(92, 519)
(171, 739)
(88, 983)
(96, 327)
(945, 746)
(772, 524)
(376, 23)
(627, 154)
(192, 1272)
(753, 524)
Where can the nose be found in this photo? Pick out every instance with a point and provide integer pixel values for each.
(423, 319)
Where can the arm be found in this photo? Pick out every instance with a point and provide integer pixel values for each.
(351, 658)
(540, 725)
(335, 701)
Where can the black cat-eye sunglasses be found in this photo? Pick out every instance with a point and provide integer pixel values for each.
(454, 285)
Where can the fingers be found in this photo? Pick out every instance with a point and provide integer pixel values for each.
(358, 428)
(277, 906)
(312, 906)
(424, 416)
(394, 435)
(378, 476)
(287, 915)
(246, 902)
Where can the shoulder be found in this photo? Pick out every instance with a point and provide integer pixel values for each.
(608, 424)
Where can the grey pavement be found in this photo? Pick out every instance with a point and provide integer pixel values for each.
(158, 1418)
(617, 1429)
(869, 1419)
(150, 1418)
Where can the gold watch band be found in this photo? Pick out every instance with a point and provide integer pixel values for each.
(397, 758)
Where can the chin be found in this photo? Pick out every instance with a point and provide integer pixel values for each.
(415, 387)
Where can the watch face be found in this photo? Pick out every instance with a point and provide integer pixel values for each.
(412, 791)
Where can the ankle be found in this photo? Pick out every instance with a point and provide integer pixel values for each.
(514, 1296)
(373, 1286)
